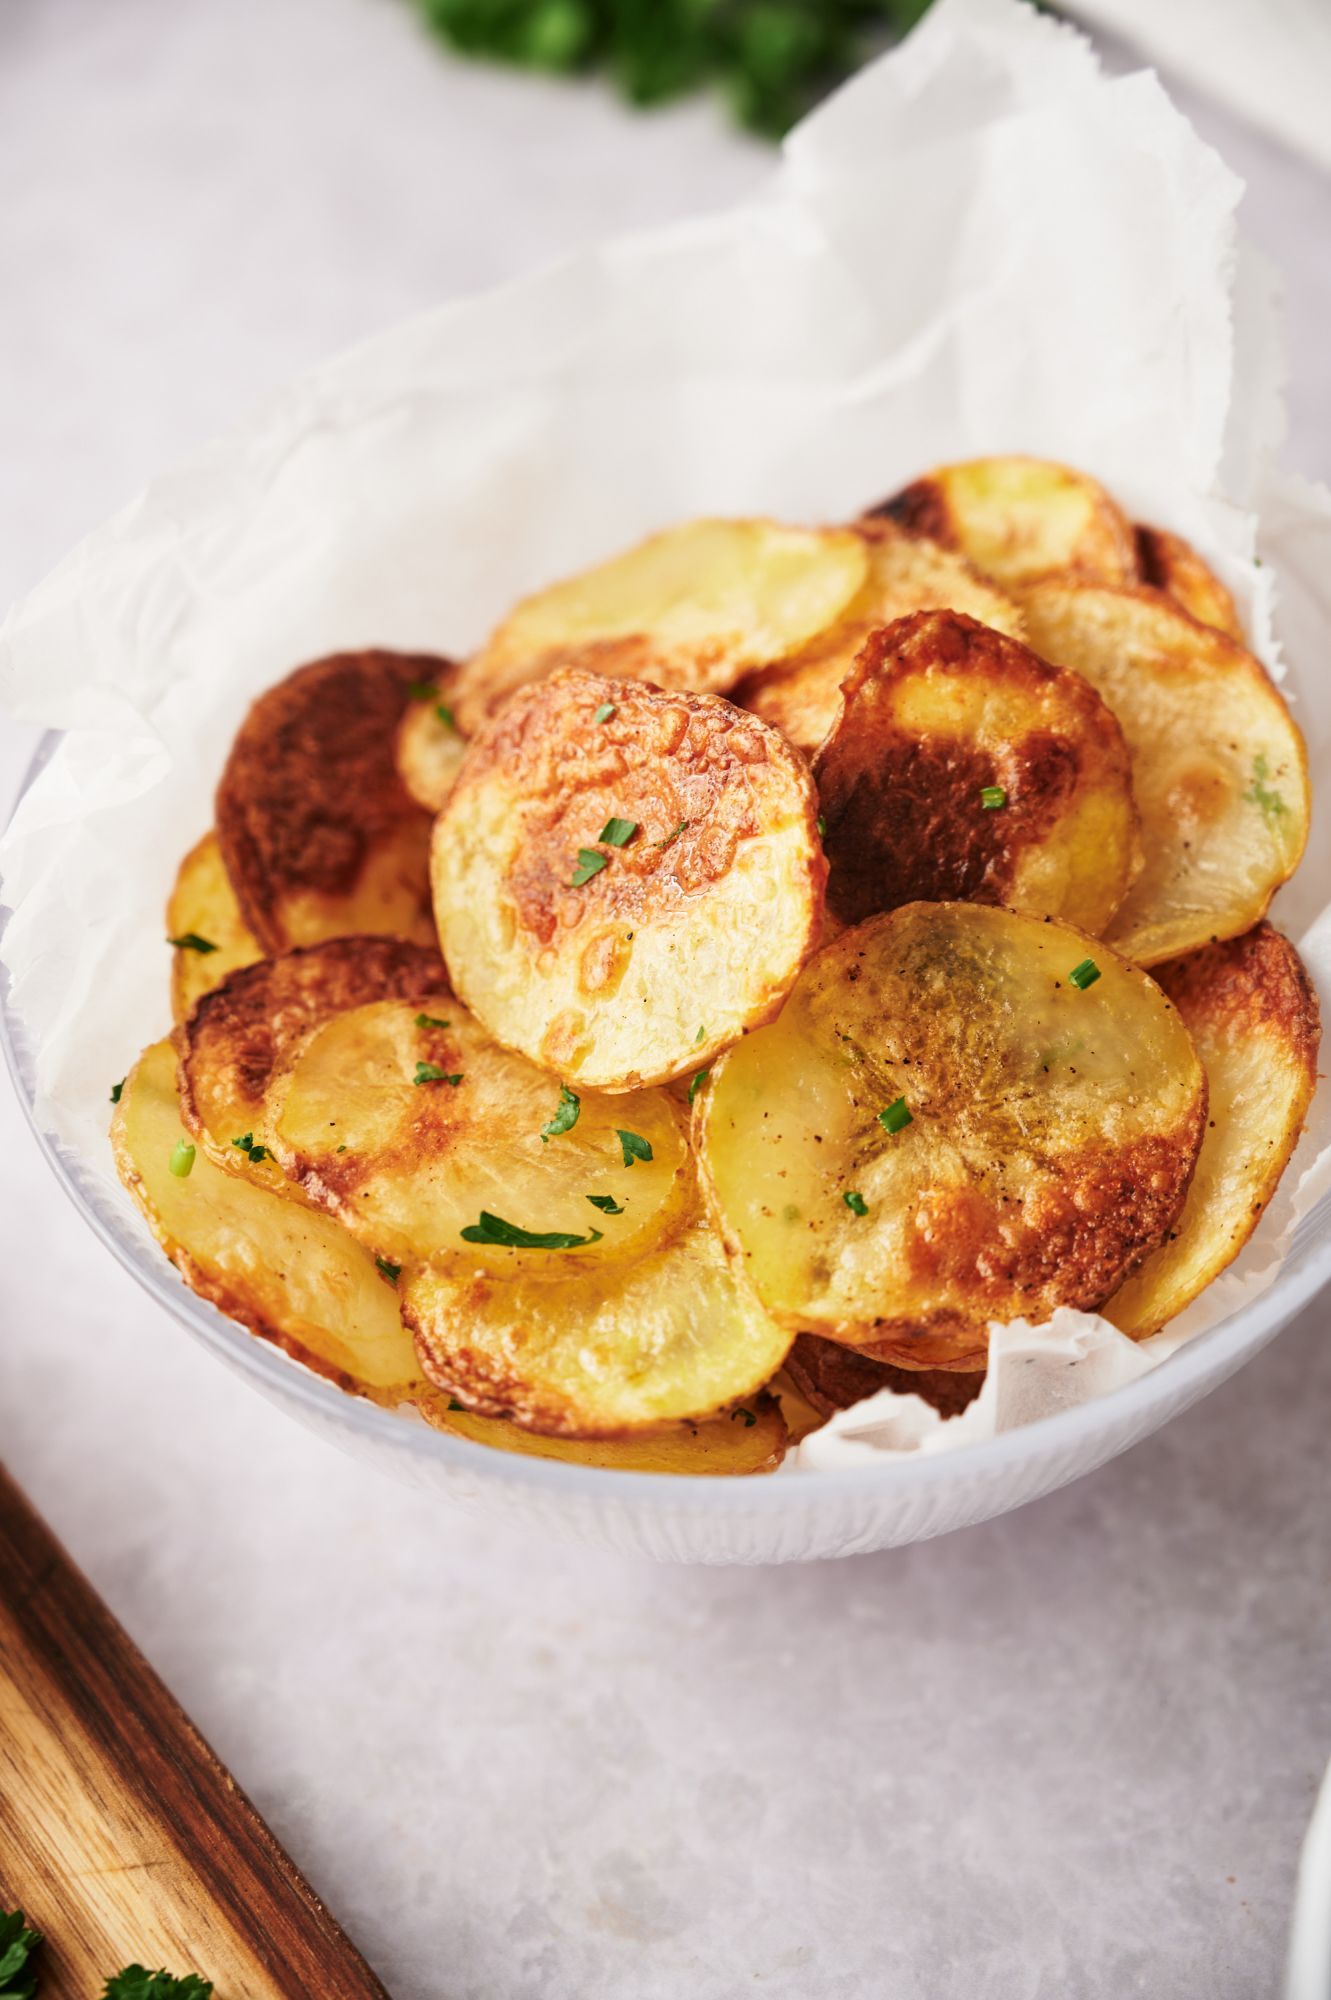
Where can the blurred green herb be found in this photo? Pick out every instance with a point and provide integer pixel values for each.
(137, 1983)
(18, 1976)
(772, 59)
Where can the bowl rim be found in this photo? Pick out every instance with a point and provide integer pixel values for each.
(1202, 1362)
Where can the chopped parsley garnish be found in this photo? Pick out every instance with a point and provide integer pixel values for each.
(749, 1419)
(992, 797)
(699, 1079)
(136, 1983)
(821, 824)
(604, 712)
(1260, 794)
(699, 1036)
(391, 1271)
(246, 1145)
(494, 1229)
(431, 1073)
(618, 832)
(430, 1021)
(1085, 974)
(421, 690)
(589, 863)
(191, 941)
(606, 1203)
(633, 1147)
(671, 838)
(18, 1979)
(565, 1118)
(116, 1089)
(181, 1162)
(445, 715)
(855, 1203)
(454, 1404)
(896, 1117)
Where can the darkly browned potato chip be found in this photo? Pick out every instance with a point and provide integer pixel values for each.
(832, 1377)
(962, 767)
(317, 830)
(240, 1034)
(1019, 519)
(1170, 564)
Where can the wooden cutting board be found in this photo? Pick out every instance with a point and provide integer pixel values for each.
(121, 1835)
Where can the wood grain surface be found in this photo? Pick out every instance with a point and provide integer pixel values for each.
(121, 1835)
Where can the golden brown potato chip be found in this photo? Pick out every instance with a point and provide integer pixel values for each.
(573, 1346)
(831, 1376)
(691, 608)
(960, 1117)
(1253, 1015)
(410, 1126)
(1170, 564)
(203, 909)
(1218, 766)
(317, 831)
(1019, 519)
(246, 1030)
(292, 1276)
(625, 880)
(800, 696)
(963, 768)
(430, 741)
(745, 1440)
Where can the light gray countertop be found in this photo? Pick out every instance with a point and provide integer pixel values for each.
(1068, 1754)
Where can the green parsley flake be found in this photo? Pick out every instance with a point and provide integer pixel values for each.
(604, 712)
(896, 1117)
(445, 715)
(992, 797)
(700, 1036)
(391, 1271)
(1260, 794)
(454, 1404)
(421, 690)
(1085, 974)
(606, 1203)
(749, 1419)
(700, 1078)
(589, 863)
(565, 1118)
(137, 1983)
(494, 1229)
(182, 1159)
(191, 941)
(618, 832)
(256, 1153)
(855, 1203)
(431, 1073)
(116, 1089)
(821, 825)
(430, 1021)
(633, 1147)
(671, 838)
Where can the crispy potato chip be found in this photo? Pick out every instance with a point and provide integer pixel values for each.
(317, 831)
(1019, 519)
(430, 743)
(1170, 564)
(1253, 1015)
(292, 1276)
(740, 1441)
(695, 605)
(963, 768)
(620, 898)
(573, 1346)
(408, 1164)
(245, 1031)
(800, 696)
(945, 1127)
(831, 1376)
(1218, 765)
(203, 908)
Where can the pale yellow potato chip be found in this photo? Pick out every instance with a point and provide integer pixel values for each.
(748, 1439)
(1019, 519)
(430, 744)
(1170, 564)
(203, 909)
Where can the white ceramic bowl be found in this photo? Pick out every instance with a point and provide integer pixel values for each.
(791, 1517)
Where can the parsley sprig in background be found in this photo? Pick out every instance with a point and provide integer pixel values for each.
(20, 1975)
(772, 59)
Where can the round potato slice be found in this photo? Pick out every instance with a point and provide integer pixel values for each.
(1170, 564)
(292, 1276)
(576, 1347)
(960, 1117)
(1253, 1014)
(832, 1377)
(1019, 519)
(246, 1030)
(696, 605)
(412, 1128)
(430, 742)
(624, 879)
(204, 923)
(964, 768)
(316, 829)
(801, 696)
(1218, 765)
(742, 1441)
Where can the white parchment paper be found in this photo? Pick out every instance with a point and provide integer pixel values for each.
(980, 245)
